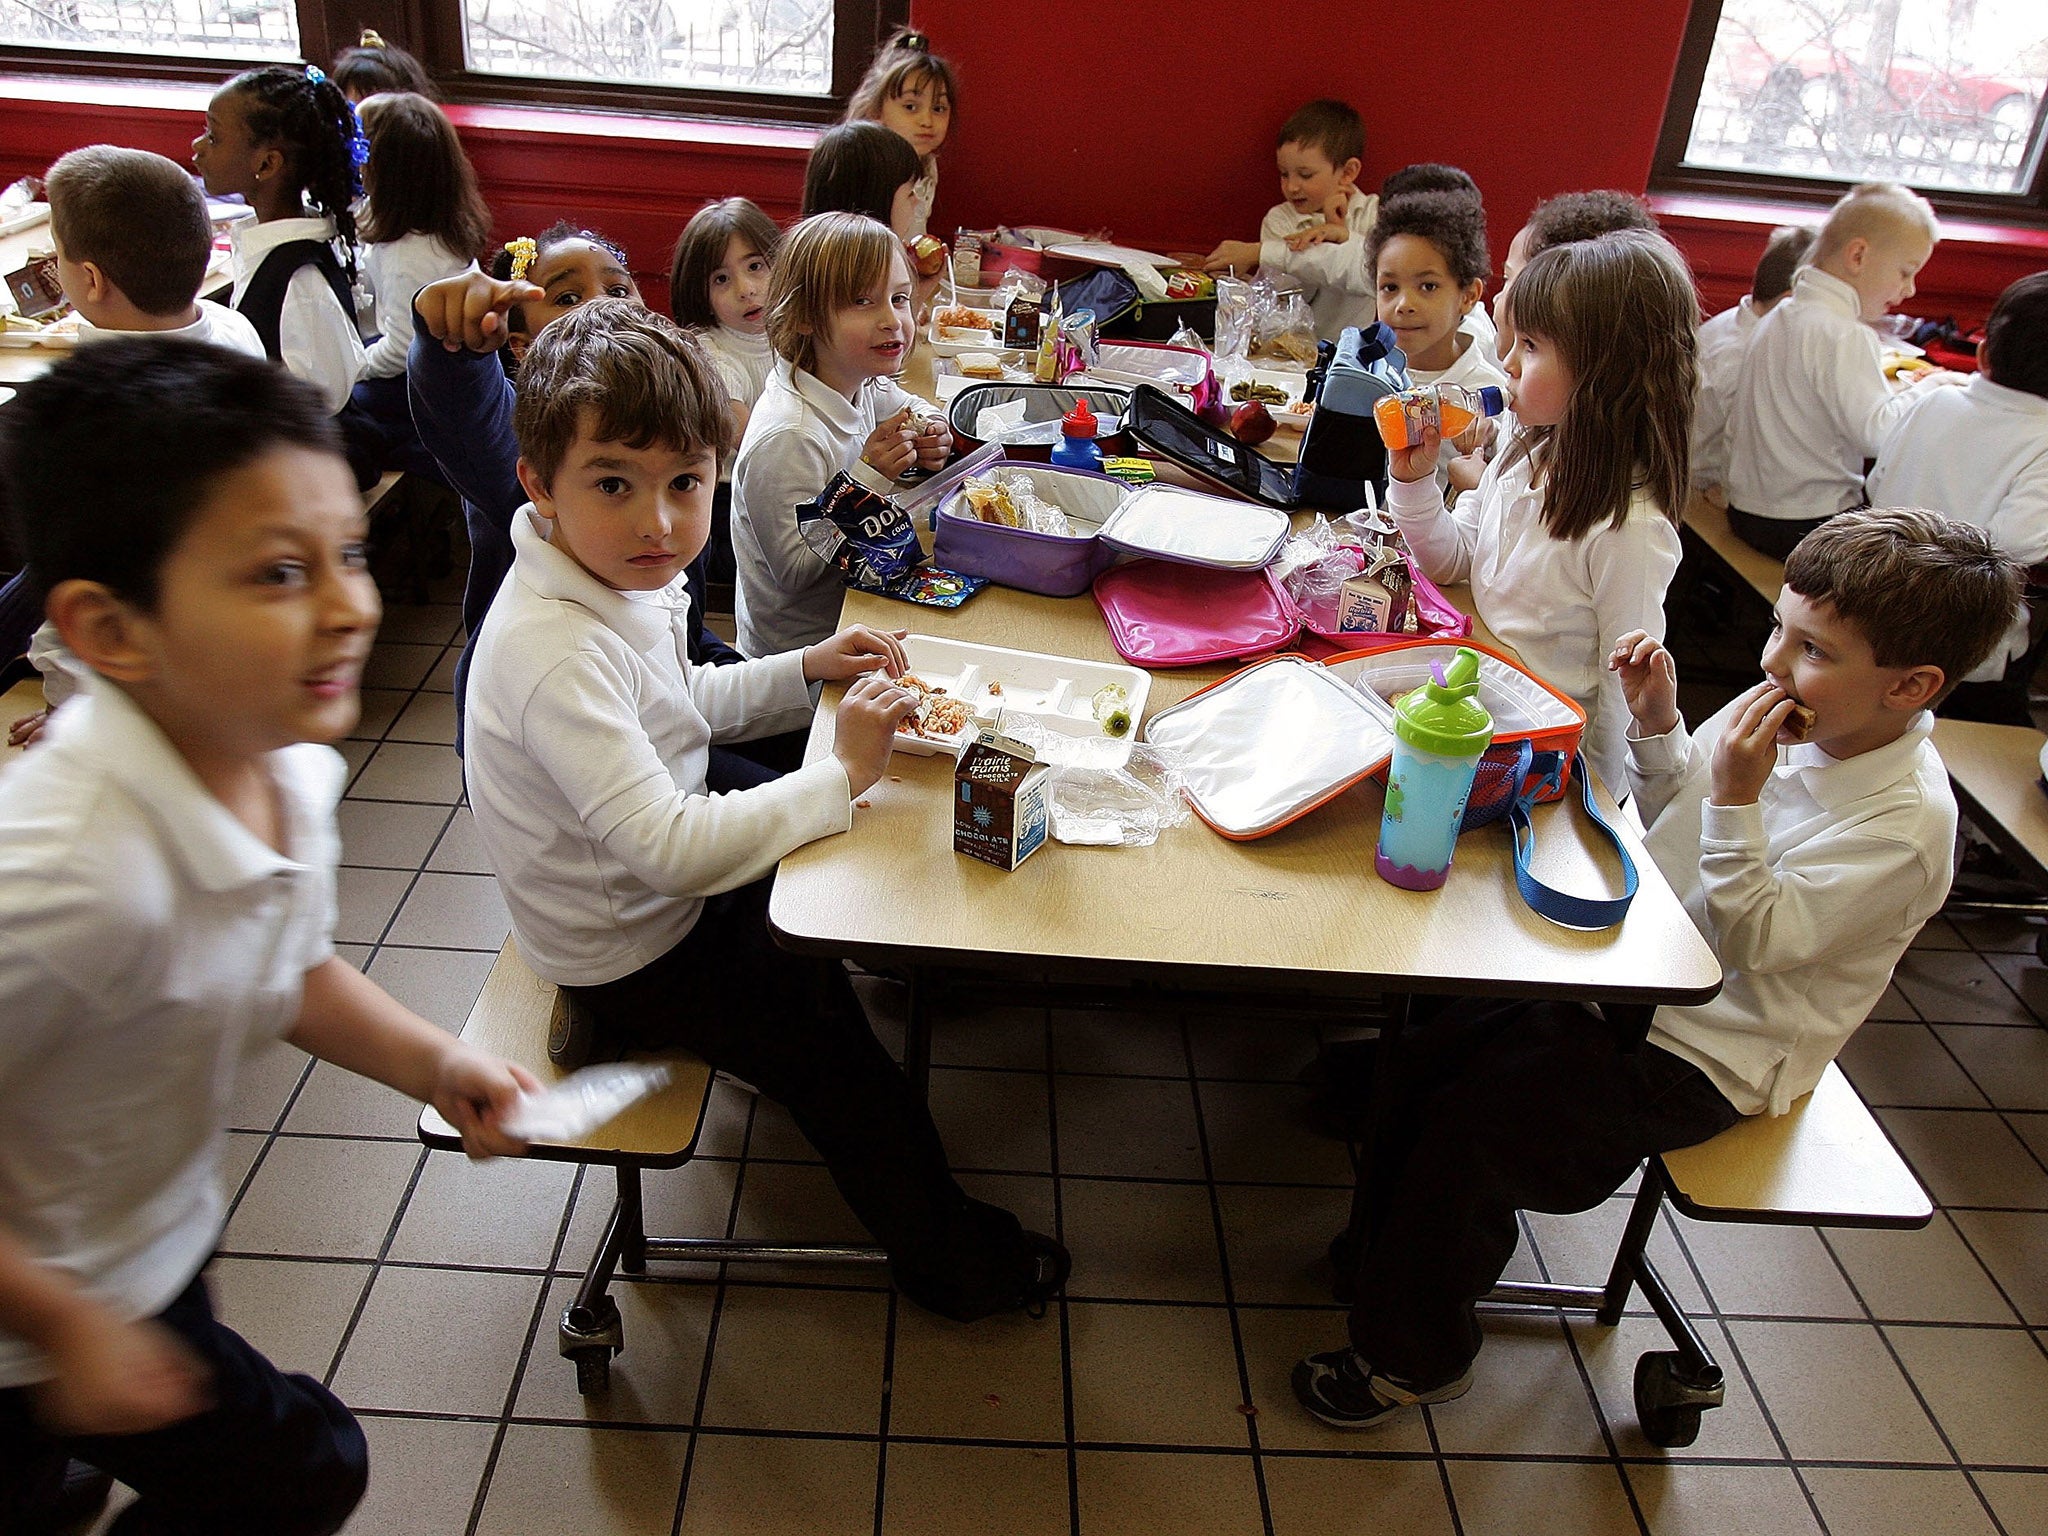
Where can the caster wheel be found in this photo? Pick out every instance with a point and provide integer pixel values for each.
(593, 1370)
(1667, 1409)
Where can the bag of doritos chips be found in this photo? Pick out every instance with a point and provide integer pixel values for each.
(873, 544)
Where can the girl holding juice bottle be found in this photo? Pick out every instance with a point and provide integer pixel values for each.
(1572, 535)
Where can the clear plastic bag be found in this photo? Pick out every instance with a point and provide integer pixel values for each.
(1283, 331)
(1314, 564)
(1124, 807)
(1013, 501)
(585, 1100)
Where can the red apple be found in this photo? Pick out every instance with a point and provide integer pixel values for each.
(1251, 423)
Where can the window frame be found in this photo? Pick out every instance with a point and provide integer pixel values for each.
(433, 31)
(1670, 173)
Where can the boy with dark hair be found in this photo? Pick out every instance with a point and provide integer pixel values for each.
(167, 901)
(1427, 252)
(1724, 342)
(1308, 235)
(133, 239)
(1980, 453)
(644, 897)
(1808, 828)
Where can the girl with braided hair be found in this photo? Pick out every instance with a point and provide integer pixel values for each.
(286, 139)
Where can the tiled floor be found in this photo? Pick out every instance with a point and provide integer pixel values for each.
(1881, 1384)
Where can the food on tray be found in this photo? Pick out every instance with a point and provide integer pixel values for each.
(1252, 389)
(1112, 709)
(1799, 722)
(938, 713)
(981, 365)
(1286, 347)
(959, 318)
(1251, 423)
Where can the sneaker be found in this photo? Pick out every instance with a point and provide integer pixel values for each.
(1340, 1389)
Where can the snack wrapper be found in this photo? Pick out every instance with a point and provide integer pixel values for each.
(871, 542)
(585, 1100)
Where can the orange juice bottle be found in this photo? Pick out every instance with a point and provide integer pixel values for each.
(1450, 408)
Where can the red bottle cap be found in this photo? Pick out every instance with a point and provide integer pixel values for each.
(1079, 422)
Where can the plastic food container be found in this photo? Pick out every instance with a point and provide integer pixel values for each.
(951, 341)
(1267, 745)
(1170, 523)
(1043, 404)
(1052, 696)
(1149, 362)
(1019, 557)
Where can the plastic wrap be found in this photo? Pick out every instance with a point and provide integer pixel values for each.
(1125, 807)
(1012, 500)
(585, 1100)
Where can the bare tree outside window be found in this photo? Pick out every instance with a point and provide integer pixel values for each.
(235, 29)
(1942, 94)
(783, 46)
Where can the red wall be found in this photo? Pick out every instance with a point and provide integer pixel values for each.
(1172, 143)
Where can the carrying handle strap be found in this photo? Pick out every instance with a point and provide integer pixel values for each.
(1547, 901)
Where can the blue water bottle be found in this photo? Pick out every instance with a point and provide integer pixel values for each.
(1077, 447)
(1441, 730)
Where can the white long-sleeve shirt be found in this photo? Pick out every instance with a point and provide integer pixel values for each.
(217, 324)
(150, 945)
(802, 433)
(1811, 404)
(743, 361)
(1560, 604)
(1724, 342)
(1339, 284)
(397, 270)
(588, 733)
(1979, 453)
(317, 338)
(1808, 897)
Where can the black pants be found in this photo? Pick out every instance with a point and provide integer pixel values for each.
(791, 1026)
(1499, 1108)
(274, 1455)
(1774, 536)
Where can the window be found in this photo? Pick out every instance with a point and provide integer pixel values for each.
(1791, 95)
(224, 29)
(762, 45)
(790, 59)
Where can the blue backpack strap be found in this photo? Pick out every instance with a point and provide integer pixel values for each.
(1562, 907)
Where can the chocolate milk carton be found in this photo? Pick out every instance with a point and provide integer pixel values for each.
(999, 810)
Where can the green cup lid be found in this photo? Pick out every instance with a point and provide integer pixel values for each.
(1444, 715)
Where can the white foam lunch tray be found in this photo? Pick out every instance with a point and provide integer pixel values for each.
(949, 342)
(1004, 687)
(1169, 522)
(1271, 743)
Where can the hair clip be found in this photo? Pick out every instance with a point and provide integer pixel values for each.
(524, 250)
(915, 42)
(315, 74)
(372, 39)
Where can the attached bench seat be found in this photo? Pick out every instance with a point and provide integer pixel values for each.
(1826, 1162)
(512, 1017)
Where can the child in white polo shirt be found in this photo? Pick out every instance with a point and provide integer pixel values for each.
(1812, 404)
(1808, 858)
(167, 910)
(1316, 233)
(640, 894)
(1981, 453)
(1724, 343)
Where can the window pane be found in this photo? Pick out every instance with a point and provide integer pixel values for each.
(233, 29)
(765, 45)
(1939, 93)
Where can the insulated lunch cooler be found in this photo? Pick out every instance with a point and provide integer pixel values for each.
(1020, 557)
(1042, 403)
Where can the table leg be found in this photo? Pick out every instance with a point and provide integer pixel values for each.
(1369, 1196)
(917, 1034)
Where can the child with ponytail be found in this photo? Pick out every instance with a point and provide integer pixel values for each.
(286, 139)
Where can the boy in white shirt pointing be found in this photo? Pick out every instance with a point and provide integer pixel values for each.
(167, 909)
(630, 886)
(1808, 828)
